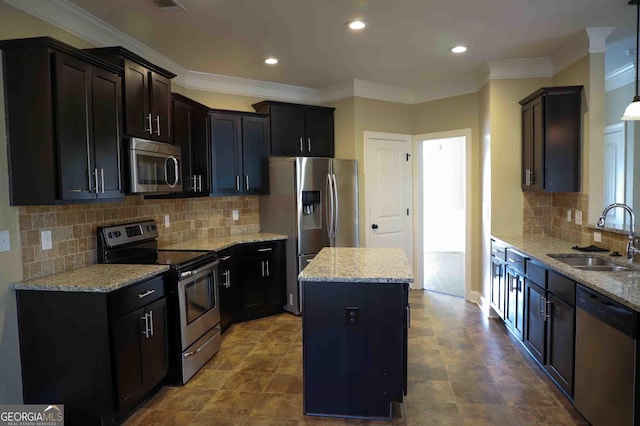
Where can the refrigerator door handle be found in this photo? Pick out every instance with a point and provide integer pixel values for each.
(335, 206)
(329, 207)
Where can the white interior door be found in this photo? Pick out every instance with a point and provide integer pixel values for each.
(388, 177)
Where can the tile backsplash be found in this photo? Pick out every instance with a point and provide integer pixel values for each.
(73, 227)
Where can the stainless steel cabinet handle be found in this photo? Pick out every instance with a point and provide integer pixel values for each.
(228, 275)
(146, 293)
(528, 177)
(151, 322)
(301, 147)
(200, 183)
(541, 305)
(309, 144)
(547, 309)
(102, 178)
(193, 183)
(408, 316)
(158, 124)
(145, 317)
(511, 259)
(95, 178)
(246, 180)
(262, 268)
(262, 250)
(150, 124)
(237, 183)
(267, 263)
(223, 258)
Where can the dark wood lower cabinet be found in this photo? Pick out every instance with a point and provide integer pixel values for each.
(560, 342)
(535, 323)
(260, 271)
(99, 354)
(354, 348)
(514, 305)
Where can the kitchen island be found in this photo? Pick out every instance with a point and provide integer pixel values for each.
(355, 318)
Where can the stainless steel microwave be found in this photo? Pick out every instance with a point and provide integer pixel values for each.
(154, 167)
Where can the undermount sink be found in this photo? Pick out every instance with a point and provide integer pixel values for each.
(604, 268)
(590, 263)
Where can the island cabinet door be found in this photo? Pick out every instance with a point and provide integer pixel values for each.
(353, 348)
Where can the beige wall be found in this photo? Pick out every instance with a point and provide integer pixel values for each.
(506, 149)
(344, 123)
(455, 113)
(616, 101)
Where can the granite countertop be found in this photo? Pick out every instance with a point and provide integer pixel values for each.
(623, 287)
(359, 265)
(99, 278)
(221, 243)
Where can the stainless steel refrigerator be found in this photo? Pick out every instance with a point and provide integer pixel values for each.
(314, 201)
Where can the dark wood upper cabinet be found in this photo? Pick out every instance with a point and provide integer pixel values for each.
(239, 148)
(191, 133)
(551, 139)
(63, 123)
(299, 130)
(146, 94)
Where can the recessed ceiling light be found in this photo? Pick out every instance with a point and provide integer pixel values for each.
(271, 61)
(459, 49)
(356, 24)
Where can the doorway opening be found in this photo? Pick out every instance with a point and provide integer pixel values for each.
(443, 180)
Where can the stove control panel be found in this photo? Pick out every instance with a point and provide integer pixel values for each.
(118, 235)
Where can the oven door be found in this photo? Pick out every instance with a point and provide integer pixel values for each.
(199, 302)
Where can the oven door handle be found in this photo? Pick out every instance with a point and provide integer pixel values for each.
(192, 353)
(187, 274)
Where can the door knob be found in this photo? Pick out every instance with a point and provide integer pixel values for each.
(374, 226)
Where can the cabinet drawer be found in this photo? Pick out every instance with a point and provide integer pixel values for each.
(498, 250)
(137, 295)
(536, 273)
(258, 250)
(563, 287)
(515, 260)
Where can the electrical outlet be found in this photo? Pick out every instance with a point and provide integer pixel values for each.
(352, 316)
(167, 222)
(597, 237)
(47, 243)
(5, 241)
(578, 218)
(569, 215)
(235, 214)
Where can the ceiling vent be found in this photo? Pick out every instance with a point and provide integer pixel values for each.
(169, 5)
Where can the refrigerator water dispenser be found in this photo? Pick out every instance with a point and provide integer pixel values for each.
(311, 210)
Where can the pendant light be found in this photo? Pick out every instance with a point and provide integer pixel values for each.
(633, 110)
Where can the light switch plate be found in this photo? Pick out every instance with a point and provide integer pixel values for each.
(5, 240)
(45, 237)
(578, 219)
(597, 237)
(569, 215)
(236, 214)
(167, 222)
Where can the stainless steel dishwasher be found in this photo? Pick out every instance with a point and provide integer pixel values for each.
(605, 368)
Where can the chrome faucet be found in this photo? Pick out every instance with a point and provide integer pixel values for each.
(632, 249)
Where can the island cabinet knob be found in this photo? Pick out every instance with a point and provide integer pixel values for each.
(374, 226)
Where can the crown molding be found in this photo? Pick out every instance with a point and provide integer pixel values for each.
(246, 87)
(598, 37)
(520, 68)
(619, 77)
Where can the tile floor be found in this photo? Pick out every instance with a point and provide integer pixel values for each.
(444, 272)
(464, 369)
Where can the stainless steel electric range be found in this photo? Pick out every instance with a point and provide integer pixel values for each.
(192, 297)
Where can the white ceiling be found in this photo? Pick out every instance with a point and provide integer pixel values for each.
(405, 45)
